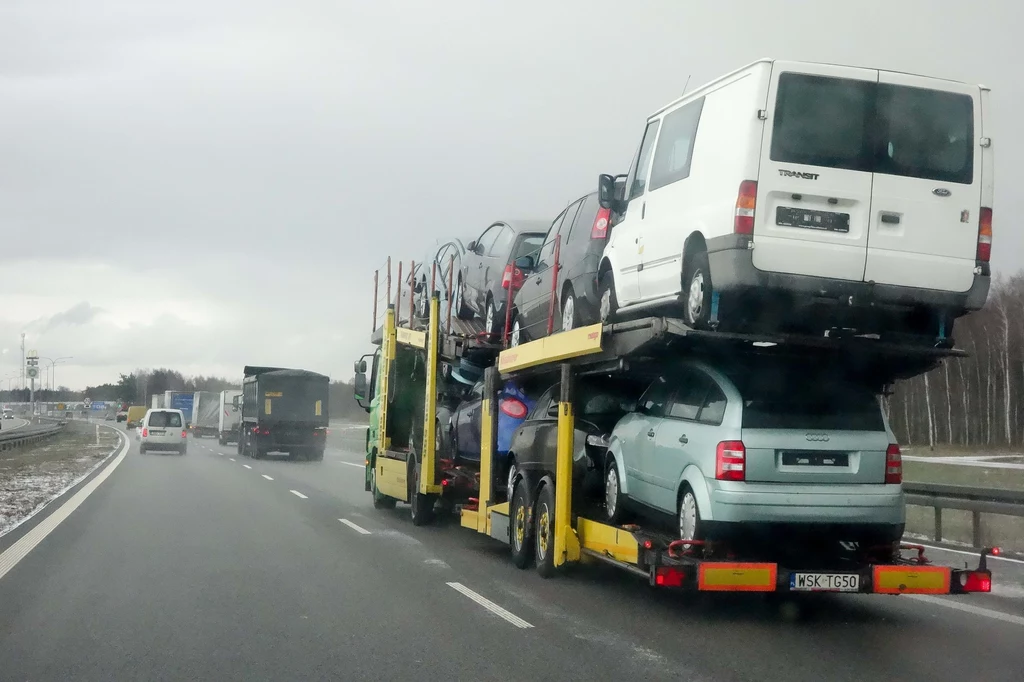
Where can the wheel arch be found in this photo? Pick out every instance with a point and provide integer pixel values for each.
(693, 477)
(695, 243)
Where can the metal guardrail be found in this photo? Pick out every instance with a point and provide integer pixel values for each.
(24, 435)
(978, 501)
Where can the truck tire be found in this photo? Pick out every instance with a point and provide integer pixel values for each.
(317, 455)
(380, 500)
(421, 507)
(520, 527)
(544, 535)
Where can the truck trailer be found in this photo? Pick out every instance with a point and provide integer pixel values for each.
(549, 521)
(179, 400)
(283, 410)
(229, 416)
(205, 411)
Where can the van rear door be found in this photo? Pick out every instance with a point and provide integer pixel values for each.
(814, 182)
(927, 183)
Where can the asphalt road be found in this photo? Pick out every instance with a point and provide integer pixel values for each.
(213, 567)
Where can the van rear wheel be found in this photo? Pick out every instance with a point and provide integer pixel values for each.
(697, 291)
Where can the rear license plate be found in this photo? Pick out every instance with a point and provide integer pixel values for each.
(815, 459)
(157, 432)
(824, 582)
(812, 220)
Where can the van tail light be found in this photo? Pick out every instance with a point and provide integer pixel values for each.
(731, 461)
(184, 433)
(145, 433)
(985, 235)
(746, 202)
(893, 464)
(600, 228)
(513, 407)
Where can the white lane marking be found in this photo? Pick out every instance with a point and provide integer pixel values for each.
(353, 464)
(247, 466)
(16, 552)
(969, 608)
(296, 493)
(358, 529)
(490, 606)
(267, 477)
(232, 459)
(962, 551)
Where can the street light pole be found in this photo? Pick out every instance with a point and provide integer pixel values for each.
(53, 370)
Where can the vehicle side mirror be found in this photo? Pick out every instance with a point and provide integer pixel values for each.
(525, 263)
(610, 192)
(360, 367)
(359, 389)
(471, 246)
(553, 410)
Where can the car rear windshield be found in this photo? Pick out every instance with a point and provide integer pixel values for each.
(165, 419)
(529, 246)
(821, 401)
(874, 127)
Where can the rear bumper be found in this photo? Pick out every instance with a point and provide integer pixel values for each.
(811, 505)
(732, 269)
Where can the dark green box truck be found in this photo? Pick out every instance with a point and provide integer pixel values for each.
(283, 410)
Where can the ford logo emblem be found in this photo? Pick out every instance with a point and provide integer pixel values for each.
(818, 437)
(941, 192)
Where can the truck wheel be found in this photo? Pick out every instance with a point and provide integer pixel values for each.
(317, 455)
(520, 528)
(544, 534)
(421, 507)
(380, 500)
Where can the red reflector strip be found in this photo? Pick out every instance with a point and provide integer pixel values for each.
(737, 577)
(911, 579)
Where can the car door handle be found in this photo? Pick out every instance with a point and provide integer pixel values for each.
(643, 210)
(479, 265)
(650, 434)
(538, 280)
(683, 439)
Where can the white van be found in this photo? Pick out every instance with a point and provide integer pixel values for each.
(800, 183)
(163, 430)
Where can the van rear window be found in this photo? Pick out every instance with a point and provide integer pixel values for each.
(164, 420)
(874, 127)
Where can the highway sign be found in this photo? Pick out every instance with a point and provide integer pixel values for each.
(31, 372)
(60, 406)
(98, 405)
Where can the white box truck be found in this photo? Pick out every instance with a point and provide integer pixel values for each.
(229, 417)
(205, 411)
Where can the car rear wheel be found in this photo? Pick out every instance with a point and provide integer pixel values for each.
(491, 318)
(570, 315)
(697, 280)
(609, 304)
(515, 336)
(612, 494)
(689, 516)
(462, 310)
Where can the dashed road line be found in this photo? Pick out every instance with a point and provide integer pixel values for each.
(490, 606)
(353, 464)
(296, 493)
(247, 466)
(357, 528)
(267, 477)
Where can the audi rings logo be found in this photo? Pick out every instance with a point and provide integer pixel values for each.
(818, 437)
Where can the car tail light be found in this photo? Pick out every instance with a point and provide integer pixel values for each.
(893, 464)
(600, 228)
(746, 201)
(145, 433)
(266, 432)
(976, 581)
(513, 407)
(985, 235)
(731, 461)
(184, 433)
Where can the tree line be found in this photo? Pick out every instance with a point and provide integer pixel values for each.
(974, 401)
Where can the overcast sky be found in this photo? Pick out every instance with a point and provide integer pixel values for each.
(202, 184)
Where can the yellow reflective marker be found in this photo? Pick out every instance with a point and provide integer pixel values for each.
(319, 408)
(266, 406)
